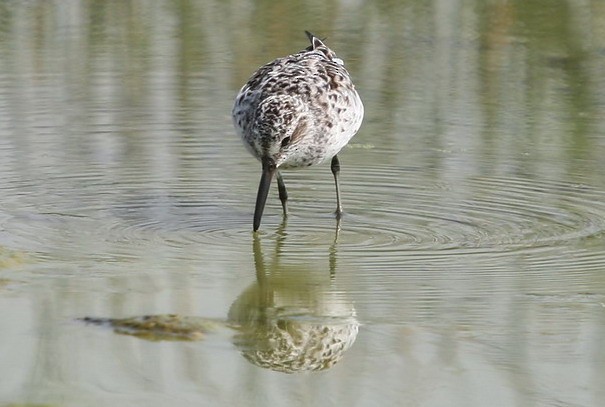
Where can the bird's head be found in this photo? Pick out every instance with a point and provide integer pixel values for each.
(282, 121)
(281, 125)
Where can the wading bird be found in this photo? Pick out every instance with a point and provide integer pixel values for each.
(294, 112)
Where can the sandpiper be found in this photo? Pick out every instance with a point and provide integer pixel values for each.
(297, 111)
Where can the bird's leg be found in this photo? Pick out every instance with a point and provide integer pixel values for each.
(283, 194)
(335, 167)
(333, 251)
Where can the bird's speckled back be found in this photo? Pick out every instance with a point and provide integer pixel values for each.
(299, 110)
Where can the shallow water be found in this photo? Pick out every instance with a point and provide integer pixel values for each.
(468, 270)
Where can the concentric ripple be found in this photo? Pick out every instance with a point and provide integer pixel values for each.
(389, 210)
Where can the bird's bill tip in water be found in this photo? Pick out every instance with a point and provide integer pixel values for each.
(263, 191)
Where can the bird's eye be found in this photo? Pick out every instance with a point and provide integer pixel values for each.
(285, 141)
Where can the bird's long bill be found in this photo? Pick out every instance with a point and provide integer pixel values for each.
(263, 191)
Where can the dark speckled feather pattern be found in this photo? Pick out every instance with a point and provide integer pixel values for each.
(299, 110)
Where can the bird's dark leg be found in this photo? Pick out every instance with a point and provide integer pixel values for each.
(333, 251)
(283, 194)
(335, 166)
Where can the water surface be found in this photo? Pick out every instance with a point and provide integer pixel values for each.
(468, 270)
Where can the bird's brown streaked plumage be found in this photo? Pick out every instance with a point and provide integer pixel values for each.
(297, 111)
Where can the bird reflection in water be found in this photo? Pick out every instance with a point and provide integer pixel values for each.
(291, 319)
